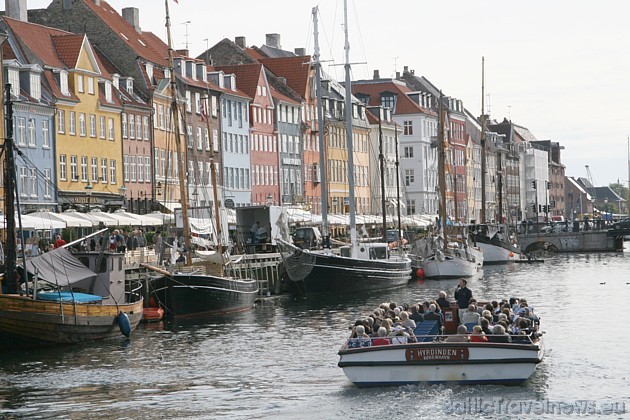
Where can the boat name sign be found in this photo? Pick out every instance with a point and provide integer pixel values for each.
(440, 353)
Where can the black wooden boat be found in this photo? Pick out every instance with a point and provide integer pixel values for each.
(183, 294)
(310, 273)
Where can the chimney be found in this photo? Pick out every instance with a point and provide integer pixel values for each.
(405, 69)
(397, 75)
(273, 40)
(183, 52)
(376, 75)
(97, 2)
(16, 9)
(240, 41)
(300, 52)
(132, 16)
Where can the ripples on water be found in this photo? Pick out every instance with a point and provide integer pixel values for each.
(280, 360)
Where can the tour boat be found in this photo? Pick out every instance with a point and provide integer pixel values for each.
(441, 361)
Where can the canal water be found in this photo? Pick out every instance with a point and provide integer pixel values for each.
(280, 359)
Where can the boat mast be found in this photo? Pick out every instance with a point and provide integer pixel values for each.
(349, 140)
(442, 173)
(381, 159)
(320, 127)
(628, 202)
(483, 144)
(213, 179)
(9, 198)
(182, 167)
(397, 179)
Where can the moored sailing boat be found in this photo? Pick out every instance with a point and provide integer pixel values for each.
(361, 266)
(195, 292)
(78, 305)
(448, 258)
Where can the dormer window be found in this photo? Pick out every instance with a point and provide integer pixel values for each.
(129, 86)
(108, 91)
(167, 73)
(63, 83)
(36, 90)
(14, 80)
(149, 69)
(388, 101)
(116, 80)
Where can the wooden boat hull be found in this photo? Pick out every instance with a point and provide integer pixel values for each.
(495, 254)
(34, 322)
(335, 274)
(186, 294)
(440, 362)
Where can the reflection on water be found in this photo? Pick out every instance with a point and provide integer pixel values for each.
(280, 360)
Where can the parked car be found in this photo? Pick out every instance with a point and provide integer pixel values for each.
(622, 224)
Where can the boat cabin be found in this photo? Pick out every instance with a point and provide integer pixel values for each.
(368, 251)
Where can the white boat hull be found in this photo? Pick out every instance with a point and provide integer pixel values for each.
(440, 362)
(493, 254)
(449, 266)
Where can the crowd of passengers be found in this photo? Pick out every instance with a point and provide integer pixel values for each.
(504, 321)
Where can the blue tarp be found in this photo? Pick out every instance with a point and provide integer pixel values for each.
(69, 297)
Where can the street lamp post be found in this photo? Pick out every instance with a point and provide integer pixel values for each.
(123, 195)
(88, 193)
(606, 211)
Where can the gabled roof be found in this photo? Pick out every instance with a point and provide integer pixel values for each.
(404, 104)
(141, 43)
(68, 48)
(296, 71)
(247, 76)
(36, 42)
(280, 97)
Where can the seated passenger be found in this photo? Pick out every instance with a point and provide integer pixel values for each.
(485, 326)
(460, 337)
(478, 335)
(382, 339)
(442, 302)
(471, 316)
(399, 336)
(405, 321)
(362, 339)
(432, 316)
(415, 315)
(499, 335)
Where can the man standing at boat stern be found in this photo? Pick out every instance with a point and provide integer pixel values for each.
(462, 296)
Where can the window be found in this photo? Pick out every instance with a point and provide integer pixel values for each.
(160, 118)
(411, 207)
(73, 168)
(112, 171)
(110, 128)
(45, 135)
(63, 82)
(189, 136)
(61, 121)
(140, 165)
(132, 127)
(188, 102)
(36, 86)
(14, 80)
(90, 85)
(139, 127)
(82, 125)
(199, 139)
(47, 183)
(72, 129)
(206, 138)
(126, 168)
(197, 103)
(80, 83)
(94, 171)
(409, 177)
(408, 128)
(33, 176)
(387, 101)
(23, 181)
(84, 169)
(62, 168)
(124, 126)
(408, 151)
(214, 105)
(92, 125)
(145, 124)
(147, 169)
(31, 133)
(21, 131)
(104, 170)
(132, 163)
(101, 127)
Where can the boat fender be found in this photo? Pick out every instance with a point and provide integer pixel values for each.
(124, 324)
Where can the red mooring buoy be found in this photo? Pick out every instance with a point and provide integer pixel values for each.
(419, 273)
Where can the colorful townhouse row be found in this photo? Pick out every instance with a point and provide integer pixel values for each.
(93, 120)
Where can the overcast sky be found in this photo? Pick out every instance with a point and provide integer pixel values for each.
(560, 68)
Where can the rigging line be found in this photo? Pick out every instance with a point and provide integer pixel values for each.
(361, 44)
(329, 42)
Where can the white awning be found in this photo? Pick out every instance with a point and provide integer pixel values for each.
(98, 216)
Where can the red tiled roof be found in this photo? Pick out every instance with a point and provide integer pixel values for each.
(404, 105)
(38, 40)
(141, 43)
(247, 76)
(295, 70)
(254, 53)
(276, 95)
(68, 48)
